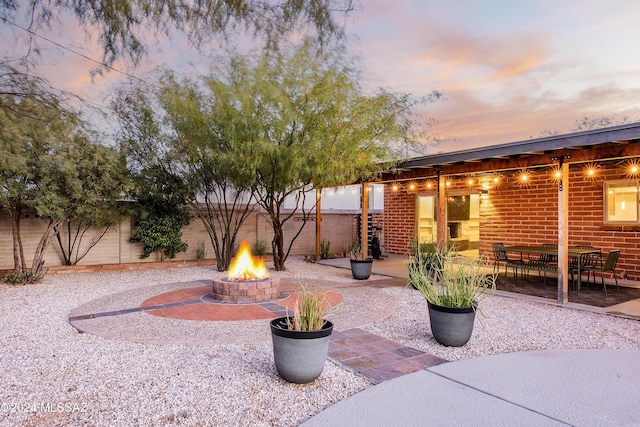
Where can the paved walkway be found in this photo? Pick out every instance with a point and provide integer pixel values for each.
(376, 358)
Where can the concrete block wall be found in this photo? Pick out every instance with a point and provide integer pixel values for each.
(114, 248)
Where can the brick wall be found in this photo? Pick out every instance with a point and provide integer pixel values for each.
(399, 225)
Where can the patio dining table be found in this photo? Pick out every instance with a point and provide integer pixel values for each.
(577, 253)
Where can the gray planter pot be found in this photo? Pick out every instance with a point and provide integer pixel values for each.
(451, 326)
(361, 269)
(299, 355)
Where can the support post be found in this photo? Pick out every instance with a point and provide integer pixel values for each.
(442, 211)
(318, 222)
(364, 224)
(563, 233)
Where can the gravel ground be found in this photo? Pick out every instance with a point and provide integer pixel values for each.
(52, 375)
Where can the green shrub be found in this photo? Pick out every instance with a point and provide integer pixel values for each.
(15, 277)
(260, 248)
(160, 234)
(324, 248)
(201, 251)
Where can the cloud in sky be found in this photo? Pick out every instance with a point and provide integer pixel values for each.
(509, 70)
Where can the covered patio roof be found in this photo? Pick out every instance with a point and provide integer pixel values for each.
(603, 144)
(598, 145)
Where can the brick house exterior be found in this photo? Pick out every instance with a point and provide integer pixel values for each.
(514, 213)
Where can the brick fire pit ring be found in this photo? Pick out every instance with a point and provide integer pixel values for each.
(245, 291)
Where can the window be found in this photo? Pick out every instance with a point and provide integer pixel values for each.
(621, 202)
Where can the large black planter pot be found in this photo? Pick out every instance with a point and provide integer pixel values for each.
(361, 269)
(451, 326)
(299, 355)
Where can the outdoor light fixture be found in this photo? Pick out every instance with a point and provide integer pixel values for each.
(395, 187)
(484, 193)
(429, 185)
(524, 176)
(633, 168)
(492, 181)
(590, 170)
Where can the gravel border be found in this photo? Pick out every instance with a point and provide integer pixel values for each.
(68, 378)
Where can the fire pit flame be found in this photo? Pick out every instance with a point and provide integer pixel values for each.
(245, 266)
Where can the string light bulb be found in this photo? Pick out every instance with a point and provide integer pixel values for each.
(590, 170)
(524, 176)
(633, 168)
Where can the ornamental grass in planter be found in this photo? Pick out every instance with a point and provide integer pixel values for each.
(301, 341)
(453, 287)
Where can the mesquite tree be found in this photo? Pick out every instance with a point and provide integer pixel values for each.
(122, 27)
(307, 122)
(174, 135)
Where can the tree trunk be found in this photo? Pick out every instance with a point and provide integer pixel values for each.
(65, 257)
(277, 245)
(18, 252)
(38, 257)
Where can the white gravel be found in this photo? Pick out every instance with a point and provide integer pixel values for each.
(67, 378)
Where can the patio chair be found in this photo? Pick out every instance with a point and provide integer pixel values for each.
(594, 260)
(545, 259)
(604, 264)
(500, 255)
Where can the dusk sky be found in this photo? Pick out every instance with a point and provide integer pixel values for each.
(509, 70)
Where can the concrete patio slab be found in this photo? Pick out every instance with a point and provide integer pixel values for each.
(537, 388)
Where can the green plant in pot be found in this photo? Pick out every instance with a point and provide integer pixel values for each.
(361, 263)
(301, 341)
(425, 255)
(453, 288)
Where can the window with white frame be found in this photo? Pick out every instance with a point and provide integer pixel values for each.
(621, 202)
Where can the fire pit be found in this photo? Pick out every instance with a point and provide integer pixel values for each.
(247, 280)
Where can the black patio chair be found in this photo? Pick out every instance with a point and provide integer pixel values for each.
(545, 259)
(607, 263)
(591, 260)
(500, 255)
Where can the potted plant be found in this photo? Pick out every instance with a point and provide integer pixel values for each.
(301, 341)
(453, 289)
(425, 256)
(361, 264)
